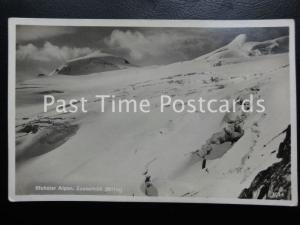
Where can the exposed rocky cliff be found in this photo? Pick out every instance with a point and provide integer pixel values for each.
(275, 181)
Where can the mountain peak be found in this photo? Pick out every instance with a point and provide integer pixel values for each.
(239, 48)
(238, 41)
(94, 62)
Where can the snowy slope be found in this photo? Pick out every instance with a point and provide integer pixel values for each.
(118, 149)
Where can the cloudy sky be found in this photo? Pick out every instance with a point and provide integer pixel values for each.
(40, 49)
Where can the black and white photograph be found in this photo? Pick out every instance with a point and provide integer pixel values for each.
(152, 111)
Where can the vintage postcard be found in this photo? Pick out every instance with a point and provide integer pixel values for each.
(152, 111)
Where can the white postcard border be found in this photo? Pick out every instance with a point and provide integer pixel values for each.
(13, 22)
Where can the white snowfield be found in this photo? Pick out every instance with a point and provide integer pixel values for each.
(120, 149)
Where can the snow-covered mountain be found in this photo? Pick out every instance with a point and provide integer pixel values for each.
(93, 63)
(122, 149)
(240, 48)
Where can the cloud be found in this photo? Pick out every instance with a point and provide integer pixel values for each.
(163, 43)
(134, 41)
(30, 33)
(49, 52)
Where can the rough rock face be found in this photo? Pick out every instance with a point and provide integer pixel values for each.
(275, 181)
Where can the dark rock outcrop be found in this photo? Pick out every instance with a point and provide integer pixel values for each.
(275, 181)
